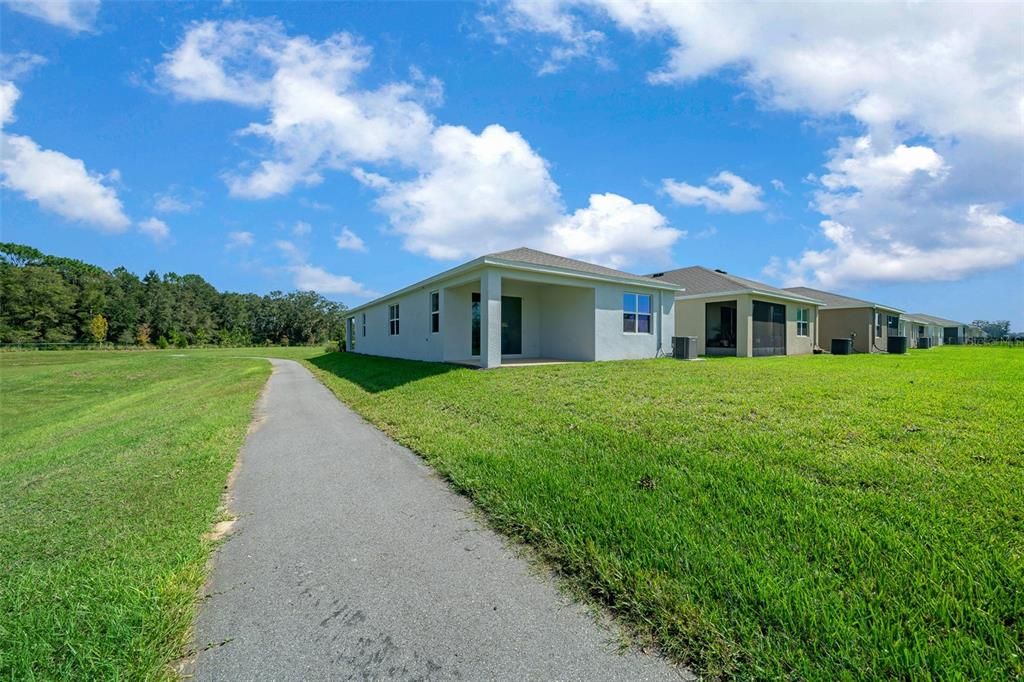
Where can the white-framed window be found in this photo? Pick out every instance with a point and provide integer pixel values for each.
(803, 321)
(435, 312)
(878, 325)
(364, 324)
(636, 314)
(393, 319)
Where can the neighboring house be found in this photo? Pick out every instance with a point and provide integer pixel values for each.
(841, 317)
(518, 305)
(951, 331)
(731, 315)
(921, 327)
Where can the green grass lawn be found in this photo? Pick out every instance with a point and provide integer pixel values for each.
(809, 517)
(112, 465)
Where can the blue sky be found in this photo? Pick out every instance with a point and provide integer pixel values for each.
(355, 148)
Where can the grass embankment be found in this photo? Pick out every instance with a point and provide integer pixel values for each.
(111, 469)
(810, 517)
(284, 352)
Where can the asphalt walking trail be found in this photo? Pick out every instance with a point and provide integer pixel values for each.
(351, 560)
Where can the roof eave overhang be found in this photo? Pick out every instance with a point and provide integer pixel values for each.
(866, 304)
(755, 292)
(578, 274)
(441, 276)
(513, 265)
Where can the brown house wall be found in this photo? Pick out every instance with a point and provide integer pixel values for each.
(840, 323)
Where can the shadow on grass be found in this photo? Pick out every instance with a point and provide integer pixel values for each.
(376, 374)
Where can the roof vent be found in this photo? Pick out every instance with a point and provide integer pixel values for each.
(721, 272)
(658, 274)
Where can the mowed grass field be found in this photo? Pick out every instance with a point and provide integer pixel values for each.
(112, 465)
(809, 517)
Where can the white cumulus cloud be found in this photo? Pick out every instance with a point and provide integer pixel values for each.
(9, 95)
(318, 116)
(57, 182)
(448, 191)
(889, 218)
(309, 277)
(726, 192)
(349, 240)
(935, 90)
(19, 64)
(919, 65)
(177, 200)
(312, 278)
(60, 184)
(73, 15)
(155, 229)
(478, 193)
(240, 239)
(614, 231)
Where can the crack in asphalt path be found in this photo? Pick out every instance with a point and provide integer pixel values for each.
(352, 560)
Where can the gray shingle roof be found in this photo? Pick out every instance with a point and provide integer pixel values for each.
(535, 257)
(941, 321)
(699, 280)
(833, 300)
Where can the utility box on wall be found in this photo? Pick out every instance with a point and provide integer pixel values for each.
(684, 347)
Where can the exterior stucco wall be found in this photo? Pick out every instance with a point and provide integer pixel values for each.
(796, 344)
(611, 343)
(414, 340)
(563, 317)
(691, 319)
(457, 320)
(840, 323)
(567, 319)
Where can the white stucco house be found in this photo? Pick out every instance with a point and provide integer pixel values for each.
(519, 305)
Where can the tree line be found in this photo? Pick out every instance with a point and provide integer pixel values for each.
(49, 299)
(996, 330)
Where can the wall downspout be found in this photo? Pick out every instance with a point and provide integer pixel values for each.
(877, 316)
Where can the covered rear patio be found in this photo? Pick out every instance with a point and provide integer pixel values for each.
(496, 320)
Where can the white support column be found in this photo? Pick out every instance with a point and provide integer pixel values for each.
(744, 326)
(490, 319)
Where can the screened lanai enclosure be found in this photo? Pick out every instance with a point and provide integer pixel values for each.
(769, 322)
(720, 332)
